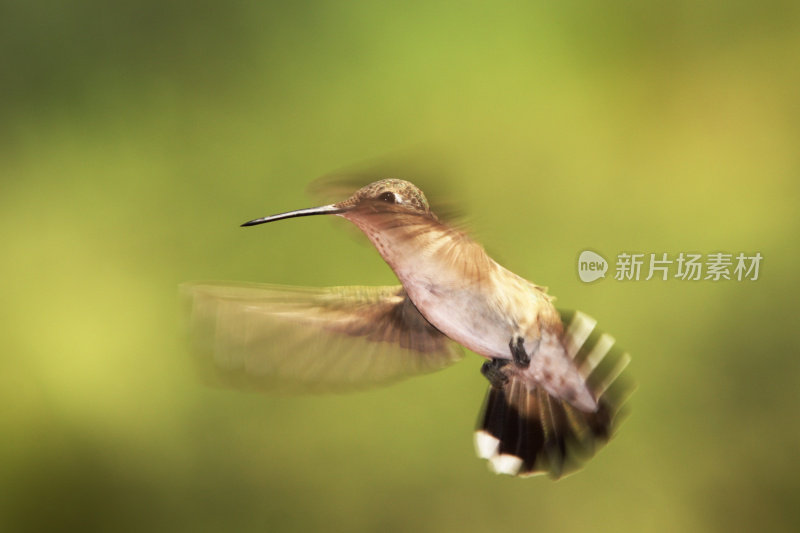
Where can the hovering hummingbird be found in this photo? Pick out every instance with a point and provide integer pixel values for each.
(554, 393)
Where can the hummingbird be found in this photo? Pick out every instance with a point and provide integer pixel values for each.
(555, 382)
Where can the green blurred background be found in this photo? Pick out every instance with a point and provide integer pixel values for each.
(135, 137)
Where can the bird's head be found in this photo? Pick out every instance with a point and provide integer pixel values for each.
(383, 196)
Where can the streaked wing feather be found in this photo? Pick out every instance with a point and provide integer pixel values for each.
(430, 236)
(303, 339)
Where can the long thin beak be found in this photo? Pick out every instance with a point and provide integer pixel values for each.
(332, 209)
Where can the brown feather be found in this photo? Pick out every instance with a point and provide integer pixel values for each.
(301, 339)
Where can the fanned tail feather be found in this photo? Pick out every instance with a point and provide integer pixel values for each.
(525, 431)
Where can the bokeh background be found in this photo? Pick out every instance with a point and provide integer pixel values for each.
(135, 137)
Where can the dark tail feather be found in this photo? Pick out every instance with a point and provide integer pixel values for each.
(526, 431)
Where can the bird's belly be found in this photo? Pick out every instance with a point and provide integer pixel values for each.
(464, 315)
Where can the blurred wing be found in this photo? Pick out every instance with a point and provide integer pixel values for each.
(291, 338)
(431, 237)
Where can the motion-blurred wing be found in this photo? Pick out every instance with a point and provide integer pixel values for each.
(291, 338)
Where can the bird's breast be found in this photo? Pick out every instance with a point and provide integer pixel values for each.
(455, 285)
(468, 309)
(465, 314)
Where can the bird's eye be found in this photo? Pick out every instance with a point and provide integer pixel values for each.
(388, 197)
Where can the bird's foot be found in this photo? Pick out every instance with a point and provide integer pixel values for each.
(492, 370)
(518, 353)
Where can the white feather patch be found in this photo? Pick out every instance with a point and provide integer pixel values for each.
(485, 444)
(505, 464)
